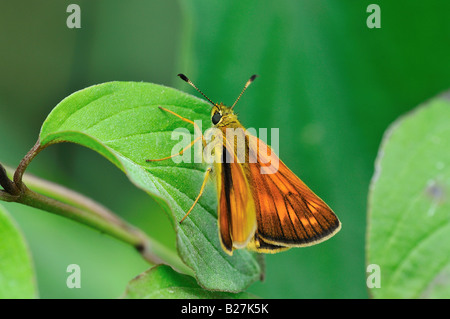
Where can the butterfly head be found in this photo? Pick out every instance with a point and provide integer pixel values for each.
(221, 114)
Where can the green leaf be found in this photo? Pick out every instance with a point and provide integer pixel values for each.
(162, 282)
(122, 121)
(16, 269)
(409, 205)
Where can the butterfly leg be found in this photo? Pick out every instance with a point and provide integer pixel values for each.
(208, 171)
(179, 153)
(196, 127)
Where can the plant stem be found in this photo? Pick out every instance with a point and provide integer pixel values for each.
(70, 204)
(107, 223)
(25, 162)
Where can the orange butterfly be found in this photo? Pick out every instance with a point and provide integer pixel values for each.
(260, 207)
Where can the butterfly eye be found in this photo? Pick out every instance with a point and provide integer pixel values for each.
(216, 118)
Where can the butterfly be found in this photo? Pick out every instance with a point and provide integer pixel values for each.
(265, 208)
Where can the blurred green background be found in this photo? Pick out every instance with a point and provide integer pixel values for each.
(331, 85)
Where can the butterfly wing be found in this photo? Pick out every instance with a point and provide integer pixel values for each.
(288, 213)
(236, 211)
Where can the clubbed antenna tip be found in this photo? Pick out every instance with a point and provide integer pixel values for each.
(183, 77)
(253, 77)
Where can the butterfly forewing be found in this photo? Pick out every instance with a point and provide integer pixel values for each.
(236, 211)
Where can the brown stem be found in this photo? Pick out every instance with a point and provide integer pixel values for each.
(25, 162)
(7, 184)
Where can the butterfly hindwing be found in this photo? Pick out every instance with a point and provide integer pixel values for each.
(288, 213)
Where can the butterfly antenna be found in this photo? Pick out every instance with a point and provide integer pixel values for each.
(252, 78)
(185, 78)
